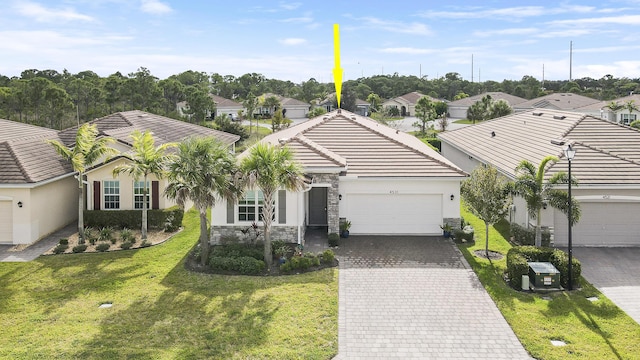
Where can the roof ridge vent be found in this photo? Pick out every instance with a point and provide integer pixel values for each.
(559, 117)
(538, 113)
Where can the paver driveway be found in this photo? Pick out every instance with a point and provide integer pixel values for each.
(616, 273)
(416, 297)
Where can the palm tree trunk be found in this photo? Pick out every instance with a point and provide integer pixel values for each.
(267, 215)
(144, 209)
(80, 209)
(538, 241)
(204, 239)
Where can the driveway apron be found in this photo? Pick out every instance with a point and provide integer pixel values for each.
(614, 271)
(416, 297)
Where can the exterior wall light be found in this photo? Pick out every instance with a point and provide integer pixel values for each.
(452, 197)
(19, 204)
(340, 197)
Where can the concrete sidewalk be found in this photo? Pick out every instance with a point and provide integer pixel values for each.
(38, 248)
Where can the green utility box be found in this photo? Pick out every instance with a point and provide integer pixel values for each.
(544, 275)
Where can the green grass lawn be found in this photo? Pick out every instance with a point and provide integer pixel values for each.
(592, 330)
(49, 308)
(464, 121)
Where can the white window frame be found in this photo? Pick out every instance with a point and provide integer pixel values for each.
(627, 118)
(111, 194)
(252, 200)
(137, 197)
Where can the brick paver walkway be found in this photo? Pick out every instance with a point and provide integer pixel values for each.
(615, 272)
(416, 297)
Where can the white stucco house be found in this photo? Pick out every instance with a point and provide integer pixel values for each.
(556, 101)
(382, 180)
(39, 190)
(406, 104)
(606, 165)
(458, 109)
(224, 106)
(621, 116)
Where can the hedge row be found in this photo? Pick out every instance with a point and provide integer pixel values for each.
(167, 219)
(519, 256)
(245, 265)
(525, 236)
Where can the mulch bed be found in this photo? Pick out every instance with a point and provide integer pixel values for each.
(493, 255)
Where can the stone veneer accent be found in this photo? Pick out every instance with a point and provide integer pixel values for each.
(333, 208)
(278, 232)
(454, 222)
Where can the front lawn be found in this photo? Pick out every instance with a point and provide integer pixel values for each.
(50, 308)
(592, 330)
(465, 121)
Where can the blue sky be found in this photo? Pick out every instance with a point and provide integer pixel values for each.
(294, 40)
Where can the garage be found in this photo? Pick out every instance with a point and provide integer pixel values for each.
(6, 222)
(410, 214)
(602, 224)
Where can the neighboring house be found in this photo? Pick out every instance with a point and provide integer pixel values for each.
(458, 109)
(291, 108)
(621, 116)
(104, 192)
(606, 165)
(38, 193)
(223, 106)
(556, 101)
(38, 188)
(406, 104)
(382, 180)
(362, 107)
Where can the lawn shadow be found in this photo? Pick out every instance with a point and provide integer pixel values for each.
(195, 315)
(583, 310)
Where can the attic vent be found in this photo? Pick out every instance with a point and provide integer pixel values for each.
(493, 134)
(559, 117)
(283, 140)
(538, 113)
(353, 118)
(557, 142)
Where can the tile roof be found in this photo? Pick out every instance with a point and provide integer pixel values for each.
(367, 148)
(25, 157)
(603, 104)
(412, 97)
(224, 102)
(557, 101)
(468, 101)
(164, 129)
(607, 153)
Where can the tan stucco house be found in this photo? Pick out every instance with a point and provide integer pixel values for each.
(606, 165)
(382, 180)
(406, 104)
(38, 190)
(458, 109)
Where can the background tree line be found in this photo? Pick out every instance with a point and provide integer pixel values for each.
(56, 100)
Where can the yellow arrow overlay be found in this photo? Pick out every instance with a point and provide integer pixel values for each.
(337, 70)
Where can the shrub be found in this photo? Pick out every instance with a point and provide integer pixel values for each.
(60, 248)
(328, 256)
(79, 248)
(333, 239)
(102, 247)
(525, 236)
(316, 111)
(145, 243)
(276, 244)
(286, 267)
(167, 219)
(519, 256)
(105, 234)
(238, 250)
(229, 239)
(126, 245)
(127, 235)
(244, 265)
(90, 235)
(63, 242)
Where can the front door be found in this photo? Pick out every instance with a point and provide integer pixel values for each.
(318, 206)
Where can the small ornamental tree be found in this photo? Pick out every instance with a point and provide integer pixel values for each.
(487, 194)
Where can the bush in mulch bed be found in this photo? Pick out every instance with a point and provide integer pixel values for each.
(248, 259)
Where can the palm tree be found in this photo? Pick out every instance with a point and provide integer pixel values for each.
(614, 106)
(145, 160)
(531, 185)
(630, 106)
(87, 150)
(270, 168)
(476, 111)
(202, 172)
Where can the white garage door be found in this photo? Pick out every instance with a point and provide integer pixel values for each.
(601, 224)
(6, 222)
(395, 214)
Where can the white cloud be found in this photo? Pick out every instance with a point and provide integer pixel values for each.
(42, 14)
(292, 41)
(617, 20)
(306, 18)
(290, 6)
(155, 7)
(393, 26)
(513, 31)
(516, 12)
